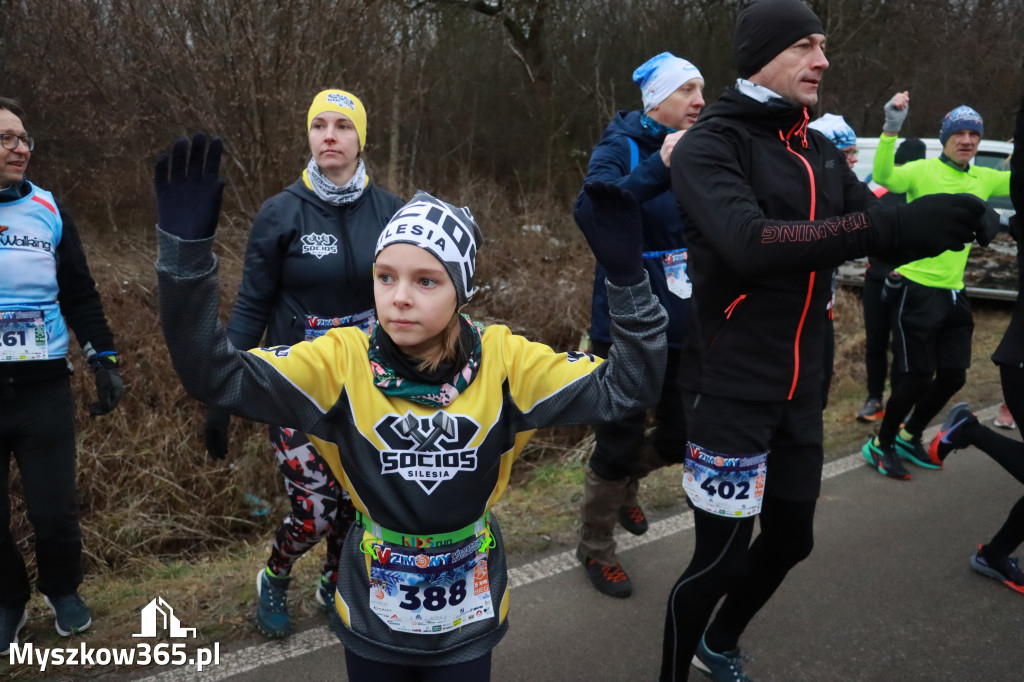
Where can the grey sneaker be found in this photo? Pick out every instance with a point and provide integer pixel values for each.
(1006, 570)
(11, 623)
(71, 615)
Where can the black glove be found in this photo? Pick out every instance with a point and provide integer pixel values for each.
(109, 386)
(613, 230)
(925, 227)
(891, 288)
(216, 432)
(189, 188)
(989, 226)
(1016, 228)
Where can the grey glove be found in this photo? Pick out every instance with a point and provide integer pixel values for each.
(894, 117)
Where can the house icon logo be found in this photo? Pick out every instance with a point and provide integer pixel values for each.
(159, 612)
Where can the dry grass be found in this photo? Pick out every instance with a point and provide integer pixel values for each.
(160, 518)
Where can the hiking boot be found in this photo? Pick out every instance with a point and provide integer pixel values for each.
(951, 436)
(71, 615)
(1006, 570)
(610, 580)
(11, 623)
(272, 604)
(599, 513)
(913, 450)
(724, 667)
(1004, 420)
(885, 460)
(325, 593)
(873, 409)
(633, 519)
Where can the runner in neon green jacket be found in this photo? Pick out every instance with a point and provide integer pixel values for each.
(934, 176)
(932, 321)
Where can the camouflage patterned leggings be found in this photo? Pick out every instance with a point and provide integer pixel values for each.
(320, 508)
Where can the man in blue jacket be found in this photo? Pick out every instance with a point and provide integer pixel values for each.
(634, 154)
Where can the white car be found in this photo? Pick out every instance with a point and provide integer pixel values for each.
(991, 154)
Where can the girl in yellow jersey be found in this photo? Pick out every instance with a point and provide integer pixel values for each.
(422, 420)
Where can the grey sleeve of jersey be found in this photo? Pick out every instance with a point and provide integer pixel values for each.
(210, 368)
(630, 379)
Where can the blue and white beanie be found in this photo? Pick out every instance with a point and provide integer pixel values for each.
(662, 75)
(448, 232)
(961, 118)
(836, 129)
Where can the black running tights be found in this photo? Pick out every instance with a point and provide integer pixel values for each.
(1009, 453)
(726, 563)
(922, 392)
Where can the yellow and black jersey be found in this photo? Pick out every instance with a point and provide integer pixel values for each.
(411, 468)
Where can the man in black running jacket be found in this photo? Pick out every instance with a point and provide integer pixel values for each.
(769, 208)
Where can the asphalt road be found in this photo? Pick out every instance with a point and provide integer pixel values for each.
(886, 595)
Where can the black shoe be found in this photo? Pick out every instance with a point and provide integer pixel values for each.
(885, 460)
(633, 519)
(610, 580)
(913, 450)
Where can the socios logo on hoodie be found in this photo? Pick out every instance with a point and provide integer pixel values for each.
(319, 245)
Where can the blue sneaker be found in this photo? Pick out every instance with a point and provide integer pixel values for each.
(913, 450)
(951, 435)
(71, 615)
(272, 604)
(11, 623)
(325, 593)
(724, 667)
(885, 460)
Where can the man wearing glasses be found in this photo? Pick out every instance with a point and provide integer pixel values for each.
(44, 279)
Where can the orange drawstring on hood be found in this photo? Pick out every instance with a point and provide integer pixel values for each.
(800, 130)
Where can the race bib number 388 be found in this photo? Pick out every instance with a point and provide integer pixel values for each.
(725, 485)
(429, 594)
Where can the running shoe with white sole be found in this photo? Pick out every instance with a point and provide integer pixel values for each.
(1006, 570)
(11, 623)
(952, 435)
(71, 615)
(325, 593)
(884, 460)
(1004, 420)
(723, 667)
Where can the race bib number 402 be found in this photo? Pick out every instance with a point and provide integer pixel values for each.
(725, 485)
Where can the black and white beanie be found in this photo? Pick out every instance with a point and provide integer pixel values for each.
(448, 232)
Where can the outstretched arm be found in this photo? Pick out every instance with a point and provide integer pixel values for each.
(259, 386)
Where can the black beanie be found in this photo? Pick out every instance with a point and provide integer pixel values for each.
(765, 28)
(909, 150)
